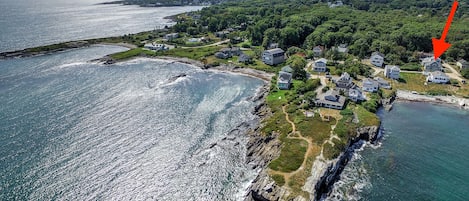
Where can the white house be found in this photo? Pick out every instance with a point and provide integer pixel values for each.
(462, 64)
(377, 59)
(273, 56)
(320, 65)
(155, 46)
(392, 72)
(438, 77)
(355, 95)
(370, 85)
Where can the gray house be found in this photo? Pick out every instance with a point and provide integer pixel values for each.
(171, 36)
(392, 72)
(222, 55)
(318, 50)
(273, 56)
(355, 95)
(382, 83)
(344, 82)
(370, 85)
(431, 65)
(244, 58)
(331, 99)
(284, 80)
(320, 65)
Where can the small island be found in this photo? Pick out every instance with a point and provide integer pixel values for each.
(335, 67)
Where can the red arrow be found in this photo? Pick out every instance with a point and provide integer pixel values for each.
(439, 45)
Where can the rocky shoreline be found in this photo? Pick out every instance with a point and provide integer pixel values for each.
(462, 103)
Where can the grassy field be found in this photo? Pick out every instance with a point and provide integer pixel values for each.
(415, 82)
(291, 157)
(316, 129)
(365, 117)
(132, 53)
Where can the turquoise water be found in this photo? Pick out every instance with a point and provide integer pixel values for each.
(77, 130)
(423, 156)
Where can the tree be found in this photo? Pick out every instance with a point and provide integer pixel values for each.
(298, 64)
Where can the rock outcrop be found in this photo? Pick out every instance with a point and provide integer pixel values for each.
(332, 175)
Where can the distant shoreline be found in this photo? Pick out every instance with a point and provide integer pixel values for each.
(462, 103)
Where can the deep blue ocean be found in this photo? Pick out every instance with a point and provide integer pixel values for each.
(71, 129)
(423, 156)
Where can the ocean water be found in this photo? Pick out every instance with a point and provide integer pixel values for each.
(422, 156)
(31, 23)
(139, 130)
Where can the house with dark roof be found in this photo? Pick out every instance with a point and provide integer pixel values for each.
(244, 58)
(431, 65)
(284, 80)
(382, 83)
(331, 99)
(273, 56)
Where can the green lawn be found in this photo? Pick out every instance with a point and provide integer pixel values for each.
(291, 157)
(365, 117)
(131, 53)
(415, 82)
(316, 129)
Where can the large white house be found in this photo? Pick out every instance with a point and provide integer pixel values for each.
(377, 59)
(320, 65)
(344, 82)
(273, 56)
(392, 72)
(438, 77)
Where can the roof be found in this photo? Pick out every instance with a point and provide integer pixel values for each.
(369, 81)
(393, 68)
(284, 76)
(354, 92)
(322, 60)
(438, 73)
(377, 53)
(340, 99)
(318, 47)
(382, 81)
(287, 69)
(345, 76)
(244, 57)
(275, 51)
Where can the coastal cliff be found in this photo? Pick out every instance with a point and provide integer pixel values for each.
(332, 173)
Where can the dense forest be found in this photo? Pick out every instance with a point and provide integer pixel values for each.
(397, 28)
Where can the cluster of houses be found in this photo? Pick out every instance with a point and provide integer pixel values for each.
(226, 53)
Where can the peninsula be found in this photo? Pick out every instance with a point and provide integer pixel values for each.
(335, 66)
